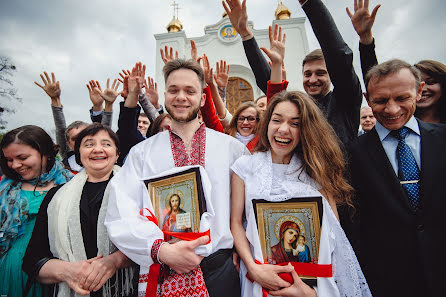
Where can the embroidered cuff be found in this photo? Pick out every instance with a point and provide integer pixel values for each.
(155, 250)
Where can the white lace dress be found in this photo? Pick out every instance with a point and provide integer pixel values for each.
(277, 182)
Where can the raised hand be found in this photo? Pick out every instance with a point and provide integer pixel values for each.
(276, 53)
(208, 76)
(194, 52)
(51, 88)
(167, 54)
(222, 74)
(181, 256)
(123, 74)
(238, 17)
(362, 20)
(110, 94)
(125, 87)
(298, 288)
(267, 276)
(151, 89)
(95, 92)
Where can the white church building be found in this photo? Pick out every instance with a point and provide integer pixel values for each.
(221, 41)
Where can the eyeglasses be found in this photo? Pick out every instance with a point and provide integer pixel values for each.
(250, 119)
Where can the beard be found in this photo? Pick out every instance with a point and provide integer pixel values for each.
(192, 115)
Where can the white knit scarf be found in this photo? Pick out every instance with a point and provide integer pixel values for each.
(65, 234)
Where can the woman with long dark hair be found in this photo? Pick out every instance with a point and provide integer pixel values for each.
(298, 155)
(28, 161)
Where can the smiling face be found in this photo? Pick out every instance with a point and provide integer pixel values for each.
(316, 80)
(284, 131)
(24, 160)
(143, 124)
(98, 154)
(183, 96)
(247, 121)
(431, 92)
(393, 98)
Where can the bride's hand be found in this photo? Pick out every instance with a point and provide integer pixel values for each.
(267, 276)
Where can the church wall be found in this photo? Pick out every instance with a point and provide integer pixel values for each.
(218, 43)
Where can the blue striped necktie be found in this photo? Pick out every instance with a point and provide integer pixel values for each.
(408, 171)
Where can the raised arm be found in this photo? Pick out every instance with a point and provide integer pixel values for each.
(362, 22)
(150, 102)
(338, 56)
(276, 53)
(94, 92)
(109, 95)
(129, 112)
(208, 111)
(238, 16)
(52, 89)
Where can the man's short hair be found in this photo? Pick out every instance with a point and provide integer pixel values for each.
(313, 56)
(392, 66)
(73, 125)
(177, 64)
(143, 115)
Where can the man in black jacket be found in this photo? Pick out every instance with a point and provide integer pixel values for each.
(332, 64)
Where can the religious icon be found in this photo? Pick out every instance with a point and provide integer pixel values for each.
(289, 231)
(228, 33)
(178, 201)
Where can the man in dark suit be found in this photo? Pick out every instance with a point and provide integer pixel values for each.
(398, 172)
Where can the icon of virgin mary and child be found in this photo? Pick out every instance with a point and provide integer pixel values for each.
(291, 246)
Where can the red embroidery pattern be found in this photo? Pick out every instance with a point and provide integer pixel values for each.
(185, 284)
(143, 278)
(155, 248)
(198, 147)
(189, 284)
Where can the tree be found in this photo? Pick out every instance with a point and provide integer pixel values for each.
(7, 89)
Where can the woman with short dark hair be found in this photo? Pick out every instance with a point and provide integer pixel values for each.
(70, 245)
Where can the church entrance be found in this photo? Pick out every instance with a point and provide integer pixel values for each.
(237, 92)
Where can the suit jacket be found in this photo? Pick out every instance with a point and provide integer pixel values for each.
(401, 252)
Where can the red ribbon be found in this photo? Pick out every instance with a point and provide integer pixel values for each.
(307, 269)
(154, 271)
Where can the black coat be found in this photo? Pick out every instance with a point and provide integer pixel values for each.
(401, 252)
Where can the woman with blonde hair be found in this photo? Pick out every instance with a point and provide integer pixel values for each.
(243, 125)
(298, 155)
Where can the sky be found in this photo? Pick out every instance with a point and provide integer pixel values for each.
(83, 40)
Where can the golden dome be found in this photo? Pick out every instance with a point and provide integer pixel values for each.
(175, 25)
(282, 12)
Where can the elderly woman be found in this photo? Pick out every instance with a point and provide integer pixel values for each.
(70, 246)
